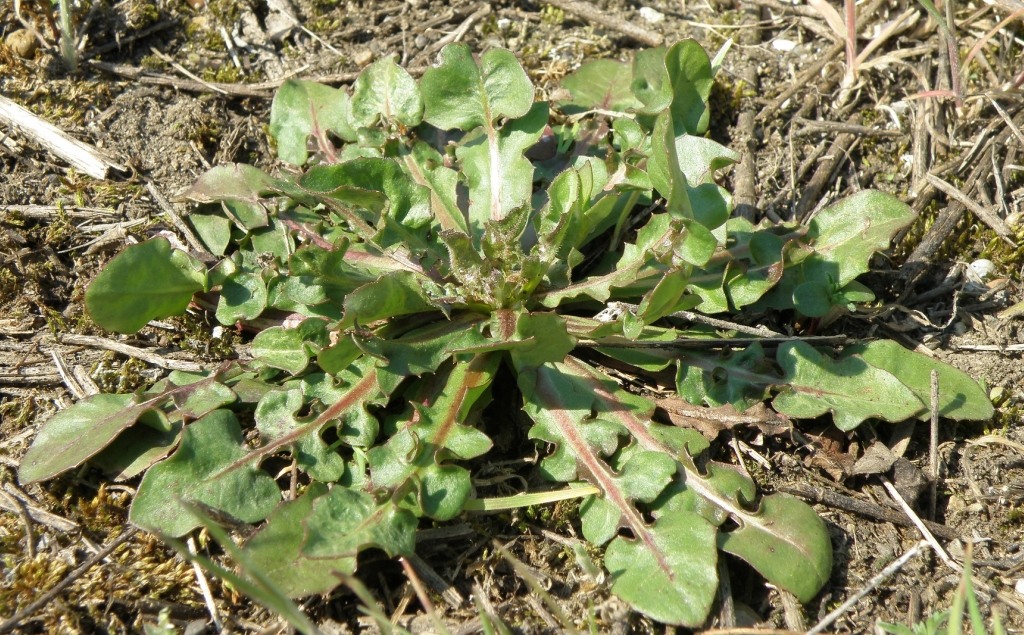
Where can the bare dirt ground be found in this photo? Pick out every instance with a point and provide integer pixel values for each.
(170, 88)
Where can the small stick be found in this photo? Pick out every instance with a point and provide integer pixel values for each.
(864, 508)
(176, 220)
(933, 445)
(204, 587)
(131, 351)
(921, 526)
(872, 584)
(45, 598)
(37, 514)
(590, 13)
(21, 509)
(421, 593)
(994, 222)
(80, 155)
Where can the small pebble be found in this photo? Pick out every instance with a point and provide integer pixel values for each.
(651, 15)
(363, 57)
(784, 45)
(23, 43)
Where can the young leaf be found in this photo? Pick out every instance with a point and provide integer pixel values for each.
(303, 109)
(851, 389)
(387, 92)
(460, 93)
(206, 468)
(600, 85)
(499, 177)
(144, 282)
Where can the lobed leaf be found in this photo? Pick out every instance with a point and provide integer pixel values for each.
(849, 388)
(207, 468)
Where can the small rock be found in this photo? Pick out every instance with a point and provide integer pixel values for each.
(362, 58)
(651, 15)
(23, 43)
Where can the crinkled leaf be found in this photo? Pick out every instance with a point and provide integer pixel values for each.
(307, 542)
(435, 433)
(144, 282)
(850, 388)
(386, 91)
(461, 93)
(303, 109)
(669, 573)
(356, 426)
(960, 396)
(642, 478)
(203, 470)
(543, 338)
(276, 418)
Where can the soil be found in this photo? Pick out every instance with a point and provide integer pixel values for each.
(159, 90)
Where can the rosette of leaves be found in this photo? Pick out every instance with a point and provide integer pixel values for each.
(427, 237)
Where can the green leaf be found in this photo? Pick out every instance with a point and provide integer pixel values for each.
(802, 563)
(386, 92)
(651, 83)
(213, 230)
(669, 572)
(543, 338)
(243, 297)
(307, 542)
(499, 177)
(144, 282)
(678, 551)
(689, 70)
(303, 109)
(136, 450)
(282, 348)
(600, 85)
(75, 434)
(232, 182)
(276, 418)
(460, 93)
(203, 469)
(432, 433)
(847, 233)
(849, 388)
(960, 396)
(392, 295)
